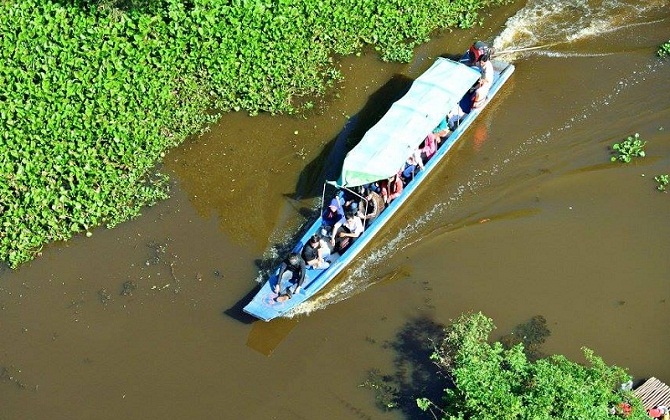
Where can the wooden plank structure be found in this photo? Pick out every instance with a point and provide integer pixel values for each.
(653, 393)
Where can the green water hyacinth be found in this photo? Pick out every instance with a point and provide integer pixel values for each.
(663, 181)
(626, 150)
(664, 50)
(93, 93)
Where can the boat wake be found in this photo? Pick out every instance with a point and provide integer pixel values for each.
(544, 26)
(636, 77)
(359, 279)
(518, 34)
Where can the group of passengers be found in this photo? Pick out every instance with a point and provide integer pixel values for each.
(349, 213)
(342, 223)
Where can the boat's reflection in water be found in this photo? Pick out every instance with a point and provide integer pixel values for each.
(265, 337)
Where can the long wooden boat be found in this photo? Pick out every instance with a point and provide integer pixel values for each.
(380, 153)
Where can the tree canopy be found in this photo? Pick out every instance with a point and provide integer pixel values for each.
(494, 382)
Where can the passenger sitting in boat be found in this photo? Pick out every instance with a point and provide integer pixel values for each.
(332, 214)
(344, 234)
(413, 165)
(373, 186)
(454, 117)
(450, 121)
(391, 188)
(442, 130)
(358, 203)
(429, 147)
(479, 97)
(372, 206)
(314, 253)
(292, 269)
(350, 200)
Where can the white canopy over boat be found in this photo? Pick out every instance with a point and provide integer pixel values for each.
(385, 147)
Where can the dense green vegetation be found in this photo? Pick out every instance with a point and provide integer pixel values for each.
(92, 93)
(494, 382)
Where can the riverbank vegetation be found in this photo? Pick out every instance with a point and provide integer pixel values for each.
(490, 381)
(93, 93)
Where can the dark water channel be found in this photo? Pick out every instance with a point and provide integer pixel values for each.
(527, 217)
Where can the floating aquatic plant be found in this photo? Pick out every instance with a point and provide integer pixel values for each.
(626, 150)
(664, 50)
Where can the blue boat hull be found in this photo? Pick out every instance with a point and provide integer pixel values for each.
(265, 306)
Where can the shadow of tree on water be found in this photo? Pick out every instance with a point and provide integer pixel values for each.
(532, 334)
(416, 376)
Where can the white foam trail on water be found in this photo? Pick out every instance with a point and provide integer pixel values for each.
(603, 28)
(359, 279)
(555, 54)
(635, 78)
(550, 22)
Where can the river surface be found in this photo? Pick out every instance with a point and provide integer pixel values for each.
(526, 217)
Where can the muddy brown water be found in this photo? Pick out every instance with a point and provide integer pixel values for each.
(527, 216)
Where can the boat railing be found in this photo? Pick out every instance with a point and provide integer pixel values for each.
(369, 231)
